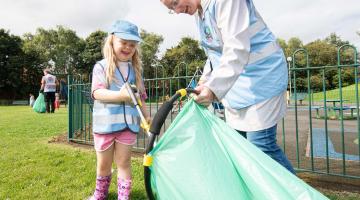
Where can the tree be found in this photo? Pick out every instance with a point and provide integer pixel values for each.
(347, 77)
(32, 72)
(322, 53)
(293, 44)
(335, 40)
(183, 59)
(282, 43)
(68, 50)
(301, 84)
(93, 48)
(10, 65)
(61, 46)
(316, 83)
(184, 54)
(149, 50)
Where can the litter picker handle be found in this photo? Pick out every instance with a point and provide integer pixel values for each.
(137, 103)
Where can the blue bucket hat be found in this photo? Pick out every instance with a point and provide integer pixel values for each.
(125, 30)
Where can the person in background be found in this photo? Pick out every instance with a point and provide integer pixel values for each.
(48, 87)
(31, 100)
(115, 120)
(246, 69)
(57, 101)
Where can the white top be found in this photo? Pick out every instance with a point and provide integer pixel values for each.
(232, 20)
(50, 83)
(124, 67)
(257, 117)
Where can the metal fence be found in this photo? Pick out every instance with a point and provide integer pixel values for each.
(323, 124)
(319, 134)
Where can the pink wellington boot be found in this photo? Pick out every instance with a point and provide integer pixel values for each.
(102, 188)
(124, 189)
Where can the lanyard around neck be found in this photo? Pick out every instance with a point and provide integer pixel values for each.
(127, 77)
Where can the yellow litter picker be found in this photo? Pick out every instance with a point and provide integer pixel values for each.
(135, 98)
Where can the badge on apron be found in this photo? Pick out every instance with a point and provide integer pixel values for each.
(208, 35)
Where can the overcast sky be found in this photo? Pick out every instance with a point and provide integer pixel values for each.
(307, 19)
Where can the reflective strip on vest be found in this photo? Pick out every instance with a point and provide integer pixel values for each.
(101, 105)
(104, 120)
(256, 27)
(268, 50)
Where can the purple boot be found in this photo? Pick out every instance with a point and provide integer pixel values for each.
(102, 188)
(124, 189)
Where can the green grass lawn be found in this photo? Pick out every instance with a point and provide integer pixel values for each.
(33, 168)
(348, 94)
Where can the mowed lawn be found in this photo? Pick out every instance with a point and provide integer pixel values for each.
(348, 94)
(33, 168)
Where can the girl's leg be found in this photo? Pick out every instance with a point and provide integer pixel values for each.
(123, 162)
(104, 161)
(103, 171)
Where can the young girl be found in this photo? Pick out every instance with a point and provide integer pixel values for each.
(115, 121)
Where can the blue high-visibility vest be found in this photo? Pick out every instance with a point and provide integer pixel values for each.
(113, 117)
(265, 74)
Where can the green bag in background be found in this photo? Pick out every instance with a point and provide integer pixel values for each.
(39, 104)
(200, 157)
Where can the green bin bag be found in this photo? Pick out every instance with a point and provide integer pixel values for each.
(39, 104)
(200, 157)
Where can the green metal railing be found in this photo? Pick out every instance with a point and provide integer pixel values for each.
(335, 157)
(80, 111)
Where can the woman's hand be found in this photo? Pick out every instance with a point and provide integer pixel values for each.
(204, 95)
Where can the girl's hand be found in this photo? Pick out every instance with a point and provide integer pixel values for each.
(148, 120)
(124, 95)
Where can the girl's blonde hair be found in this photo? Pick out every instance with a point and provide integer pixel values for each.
(110, 58)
